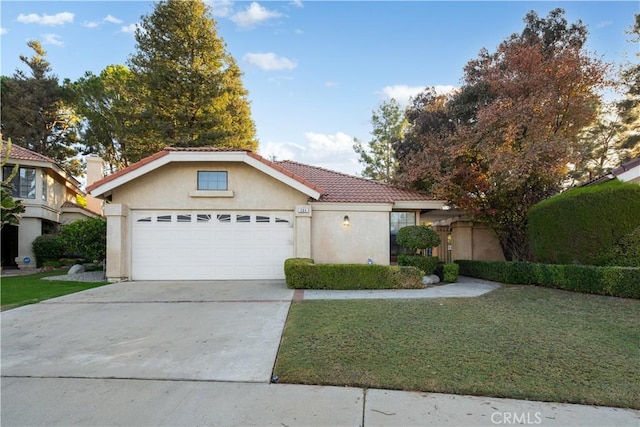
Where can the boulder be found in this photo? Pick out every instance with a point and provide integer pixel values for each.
(434, 279)
(76, 269)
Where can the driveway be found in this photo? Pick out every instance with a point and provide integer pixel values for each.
(209, 331)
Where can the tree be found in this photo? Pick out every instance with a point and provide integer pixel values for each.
(109, 111)
(35, 115)
(189, 86)
(11, 208)
(378, 156)
(418, 237)
(505, 140)
(629, 107)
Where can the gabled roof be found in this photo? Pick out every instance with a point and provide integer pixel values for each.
(20, 153)
(321, 185)
(70, 205)
(22, 156)
(199, 154)
(342, 188)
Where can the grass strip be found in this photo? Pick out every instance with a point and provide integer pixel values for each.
(520, 342)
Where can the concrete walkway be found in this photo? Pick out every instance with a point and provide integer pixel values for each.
(201, 353)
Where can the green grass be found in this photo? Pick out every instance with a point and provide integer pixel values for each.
(520, 342)
(16, 291)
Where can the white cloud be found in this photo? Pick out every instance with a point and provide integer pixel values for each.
(221, 8)
(404, 93)
(130, 29)
(254, 15)
(297, 3)
(330, 84)
(51, 20)
(334, 152)
(53, 39)
(3, 31)
(112, 19)
(604, 24)
(269, 61)
(90, 24)
(298, 31)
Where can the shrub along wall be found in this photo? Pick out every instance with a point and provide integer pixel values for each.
(581, 225)
(613, 281)
(302, 273)
(425, 263)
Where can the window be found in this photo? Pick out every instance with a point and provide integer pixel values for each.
(164, 218)
(212, 181)
(223, 218)
(23, 183)
(262, 218)
(397, 220)
(45, 186)
(204, 217)
(184, 218)
(243, 218)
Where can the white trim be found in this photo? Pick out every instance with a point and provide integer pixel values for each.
(211, 193)
(360, 207)
(204, 156)
(419, 204)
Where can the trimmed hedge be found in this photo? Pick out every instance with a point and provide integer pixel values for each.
(581, 225)
(47, 247)
(613, 281)
(302, 273)
(427, 264)
(450, 272)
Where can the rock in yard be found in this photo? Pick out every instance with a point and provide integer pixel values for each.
(76, 269)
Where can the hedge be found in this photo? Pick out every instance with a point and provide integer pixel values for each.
(302, 273)
(47, 247)
(450, 272)
(427, 264)
(613, 281)
(581, 225)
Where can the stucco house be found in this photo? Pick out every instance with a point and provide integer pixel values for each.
(207, 214)
(49, 195)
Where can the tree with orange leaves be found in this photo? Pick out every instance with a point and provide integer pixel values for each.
(508, 138)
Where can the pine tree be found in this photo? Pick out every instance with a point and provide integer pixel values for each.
(189, 87)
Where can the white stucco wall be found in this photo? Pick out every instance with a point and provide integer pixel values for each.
(366, 236)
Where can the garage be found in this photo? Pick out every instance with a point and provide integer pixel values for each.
(210, 245)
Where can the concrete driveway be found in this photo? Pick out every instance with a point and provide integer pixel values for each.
(209, 331)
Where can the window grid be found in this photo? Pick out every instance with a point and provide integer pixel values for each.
(212, 180)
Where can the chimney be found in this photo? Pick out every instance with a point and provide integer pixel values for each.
(95, 172)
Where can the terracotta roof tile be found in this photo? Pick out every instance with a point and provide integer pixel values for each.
(128, 169)
(20, 153)
(343, 188)
(68, 204)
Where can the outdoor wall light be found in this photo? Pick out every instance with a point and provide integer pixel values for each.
(345, 221)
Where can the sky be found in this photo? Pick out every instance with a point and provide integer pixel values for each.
(315, 70)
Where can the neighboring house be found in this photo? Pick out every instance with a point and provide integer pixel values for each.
(49, 195)
(207, 214)
(627, 172)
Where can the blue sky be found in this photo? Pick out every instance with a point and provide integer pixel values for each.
(314, 70)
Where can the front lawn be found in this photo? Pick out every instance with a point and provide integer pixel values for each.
(21, 290)
(520, 342)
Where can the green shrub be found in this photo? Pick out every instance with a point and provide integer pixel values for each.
(613, 281)
(450, 271)
(582, 225)
(626, 253)
(417, 237)
(54, 264)
(302, 273)
(425, 263)
(87, 238)
(47, 247)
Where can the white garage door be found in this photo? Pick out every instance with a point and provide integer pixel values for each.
(218, 245)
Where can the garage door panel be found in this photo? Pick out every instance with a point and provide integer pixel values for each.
(210, 245)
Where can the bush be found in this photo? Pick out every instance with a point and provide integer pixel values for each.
(87, 238)
(626, 253)
(302, 273)
(581, 225)
(54, 264)
(450, 272)
(47, 247)
(417, 237)
(613, 281)
(427, 264)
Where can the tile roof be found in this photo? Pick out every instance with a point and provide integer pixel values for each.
(20, 153)
(128, 169)
(343, 188)
(68, 204)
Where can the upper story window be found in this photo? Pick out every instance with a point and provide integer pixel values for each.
(23, 183)
(45, 186)
(212, 180)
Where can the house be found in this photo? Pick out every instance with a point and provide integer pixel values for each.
(49, 195)
(207, 214)
(626, 172)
